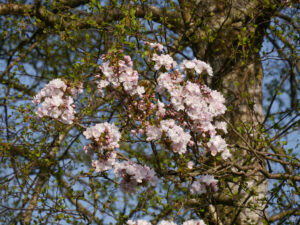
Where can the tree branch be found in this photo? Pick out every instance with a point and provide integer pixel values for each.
(73, 3)
(284, 214)
(108, 15)
(75, 202)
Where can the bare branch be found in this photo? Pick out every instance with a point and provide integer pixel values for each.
(108, 15)
(284, 214)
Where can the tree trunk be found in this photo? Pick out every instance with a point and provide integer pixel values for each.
(232, 50)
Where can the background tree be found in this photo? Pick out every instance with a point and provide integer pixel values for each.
(47, 178)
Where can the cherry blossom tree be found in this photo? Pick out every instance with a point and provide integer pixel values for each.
(149, 112)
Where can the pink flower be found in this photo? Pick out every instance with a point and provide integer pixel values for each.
(105, 164)
(202, 67)
(57, 84)
(221, 126)
(194, 222)
(198, 188)
(177, 98)
(190, 164)
(153, 133)
(167, 222)
(164, 83)
(100, 85)
(197, 65)
(139, 90)
(107, 70)
(124, 75)
(75, 91)
(56, 103)
(163, 61)
(109, 131)
(161, 111)
(135, 174)
(216, 103)
(178, 137)
(139, 222)
(200, 185)
(217, 144)
(187, 64)
(157, 46)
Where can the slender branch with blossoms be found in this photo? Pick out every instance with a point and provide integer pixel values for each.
(176, 112)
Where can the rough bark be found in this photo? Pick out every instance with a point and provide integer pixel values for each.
(238, 73)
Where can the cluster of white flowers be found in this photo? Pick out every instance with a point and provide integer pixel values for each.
(169, 82)
(221, 126)
(163, 60)
(194, 222)
(200, 185)
(197, 65)
(77, 90)
(157, 46)
(194, 106)
(153, 133)
(178, 137)
(56, 103)
(139, 222)
(218, 144)
(134, 174)
(161, 111)
(201, 104)
(166, 222)
(106, 135)
(107, 163)
(122, 73)
(190, 164)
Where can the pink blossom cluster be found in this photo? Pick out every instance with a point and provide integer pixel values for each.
(190, 164)
(197, 65)
(163, 60)
(106, 135)
(156, 46)
(138, 222)
(194, 222)
(201, 104)
(120, 74)
(174, 111)
(76, 90)
(169, 82)
(165, 222)
(106, 163)
(56, 103)
(200, 185)
(134, 174)
(221, 125)
(218, 144)
(175, 134)
(161, 110)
